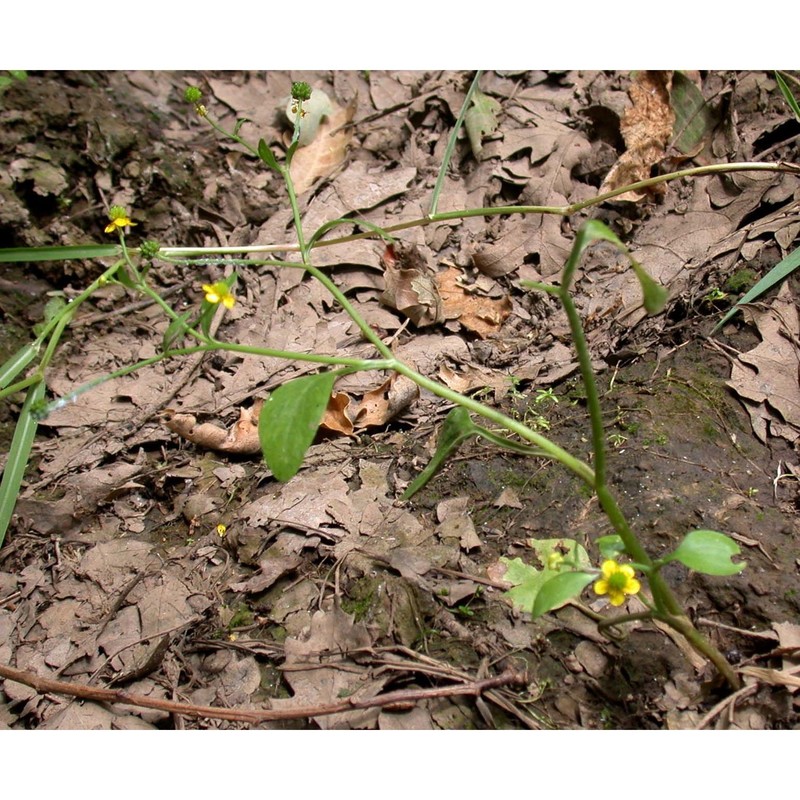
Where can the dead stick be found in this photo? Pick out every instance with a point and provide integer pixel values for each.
(400, 698)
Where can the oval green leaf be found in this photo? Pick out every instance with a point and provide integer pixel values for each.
(610, 546)
(289, 421)
(559, 589)
(708, 552)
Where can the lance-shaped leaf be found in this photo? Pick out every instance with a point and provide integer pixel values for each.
(290, 419)
(18, 456)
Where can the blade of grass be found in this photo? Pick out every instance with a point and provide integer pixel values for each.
(780, 271)
(787, 95)
(18, 457)
(10, 255)
(451, 144)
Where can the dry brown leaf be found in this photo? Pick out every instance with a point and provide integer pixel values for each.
(271, 570)
(326, 153)
(391, 398)
(767, 376)
(647, 129)
(482, 315)
(456, 522)
(410, 284)
(242, 437)
(336, 418)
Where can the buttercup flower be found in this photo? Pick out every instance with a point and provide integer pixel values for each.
(617, 581)
(118, 219)
(219, 293)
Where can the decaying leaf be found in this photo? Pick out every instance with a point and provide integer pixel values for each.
(242, 437)
(326, 153)
(336, 418)
(482, 315)
(647, 129)
(319, 670)
(410, 285)
(480, 120)
(694, 120)
(391, 398)
(766, 377)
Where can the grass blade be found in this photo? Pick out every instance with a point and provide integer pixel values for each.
(18, 457)
(780, 271)
(10, 255)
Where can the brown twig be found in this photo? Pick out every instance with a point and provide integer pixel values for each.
(398, 699)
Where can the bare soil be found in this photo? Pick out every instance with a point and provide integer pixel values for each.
(115, 576)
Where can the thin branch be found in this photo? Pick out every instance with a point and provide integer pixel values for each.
(398, 699)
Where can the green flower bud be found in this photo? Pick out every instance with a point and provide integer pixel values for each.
(192, 94)
(149, 249)
(301, 91)
(117, 212)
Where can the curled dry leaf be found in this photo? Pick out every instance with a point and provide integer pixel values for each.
(336, 418)
(380, 405)
(647, 129)
(410, 284)
(242, 437)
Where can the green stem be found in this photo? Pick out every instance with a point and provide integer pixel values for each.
(682, 624)
(492, 211)
(451, 144)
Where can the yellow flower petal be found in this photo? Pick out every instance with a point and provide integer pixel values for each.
(618, 581)
(219, 293)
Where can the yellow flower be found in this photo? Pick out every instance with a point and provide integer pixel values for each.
(617, 581)
(219, 293)
(221, 529)
(118, 219)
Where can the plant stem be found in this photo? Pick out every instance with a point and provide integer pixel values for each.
(451, 144)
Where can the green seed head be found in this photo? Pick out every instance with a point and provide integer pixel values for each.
(301, 91)
(192, 94)
(149, 249)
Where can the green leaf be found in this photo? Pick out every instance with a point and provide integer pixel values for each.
(708, 552)
(610, 546)
(289, 421)
(787, 95)
(655, 295)
(9, 255)
(18, 456)
(780, 271)
(694, 120)
(549, 288)
(559, 590)
(177, 328)
(267, 156)
(238, 126)
(124, 277)
(456, 427)
(14, 365)
(530, 580)
(481, 120)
